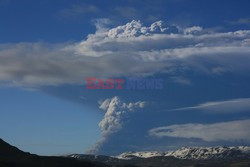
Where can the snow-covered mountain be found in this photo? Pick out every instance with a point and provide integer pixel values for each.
(144, 154)
(194, 153)
(186, 156)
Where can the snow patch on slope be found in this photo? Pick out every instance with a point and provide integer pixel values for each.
(196, 153)
(145, 154)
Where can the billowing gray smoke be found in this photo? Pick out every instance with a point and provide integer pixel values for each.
(116, 111)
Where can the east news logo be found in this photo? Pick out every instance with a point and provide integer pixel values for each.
(119, 83)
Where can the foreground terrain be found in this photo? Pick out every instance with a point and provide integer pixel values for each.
(11, 156)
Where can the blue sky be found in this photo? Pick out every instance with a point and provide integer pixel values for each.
(58, 21)
(199, 48)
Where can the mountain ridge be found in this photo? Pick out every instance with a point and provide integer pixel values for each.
(184, 157)
(193, 153)
(9, 151)
(11, 156)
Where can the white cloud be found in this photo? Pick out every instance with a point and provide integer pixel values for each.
(101, 24)
(193, 30)
(223, 131)
(127, 50)
(116, 112)
(228, 106)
